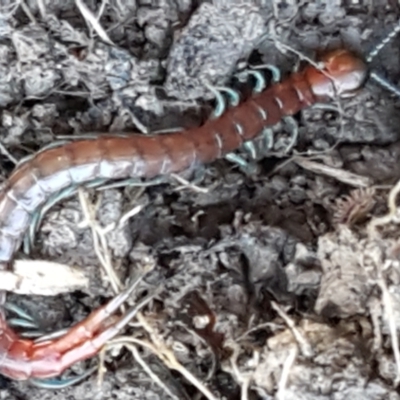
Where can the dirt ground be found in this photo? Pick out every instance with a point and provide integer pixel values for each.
(279, 281)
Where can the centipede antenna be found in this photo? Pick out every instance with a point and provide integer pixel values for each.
(385, 83)
(374, 52)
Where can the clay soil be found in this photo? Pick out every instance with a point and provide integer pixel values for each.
(277, 279)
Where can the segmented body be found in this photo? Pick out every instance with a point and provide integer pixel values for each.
(143, 156)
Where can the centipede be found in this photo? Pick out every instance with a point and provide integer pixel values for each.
(339, 74)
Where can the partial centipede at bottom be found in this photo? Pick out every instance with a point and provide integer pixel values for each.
(107, 157)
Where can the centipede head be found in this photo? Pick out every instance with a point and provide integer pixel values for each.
(341, 73)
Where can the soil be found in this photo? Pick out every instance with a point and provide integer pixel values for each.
(280, 279)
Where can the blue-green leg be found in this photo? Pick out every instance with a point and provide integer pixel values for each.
(25, 321)
(252, 151)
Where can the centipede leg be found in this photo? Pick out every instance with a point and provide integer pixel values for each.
(132, 182)
(38, 215)
(267, 133)
(275, 72)
(267, 136)
(249, 168)
(220, 106)
(248, 147)
(260, 83)
(62, 382)
(266, 144)
(237, 159)
(220, 109)
(293, 128)
(22, 319)
(253, 151)
(99, 184)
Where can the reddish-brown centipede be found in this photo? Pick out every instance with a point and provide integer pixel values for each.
(109, 157)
